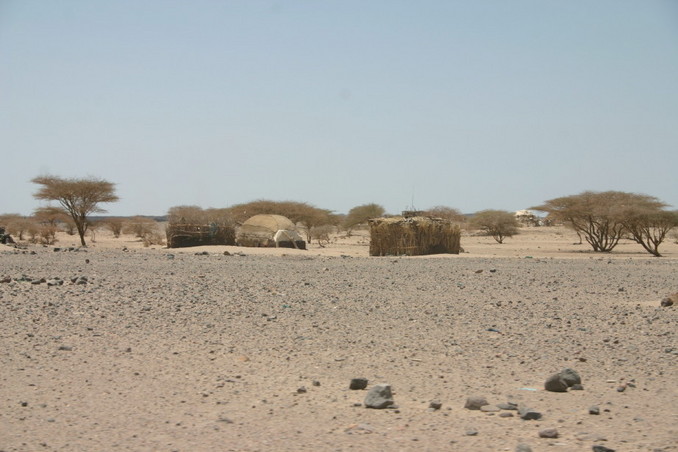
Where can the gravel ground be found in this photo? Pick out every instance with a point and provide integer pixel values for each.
(172, 351)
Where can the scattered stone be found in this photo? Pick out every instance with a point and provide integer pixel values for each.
(548, 433)
(570, 376)
(379, 397)
(669, 301)
(479, 271)
(358, 383)
(555, 383)
(359, 428)
(475, 402)
(489, 409)
(471, 432)
(435, 405)
(505, 414)
(621, 388)
(202, 253)
(316, 383)
(529, 414)
(66, 348)
(577, 387)
(523, 448)
(595, 410)
(79, 280)
(302, 390)
(226, 253)
(6, 279)
(510, 406)
(599, 448)
(562, 380)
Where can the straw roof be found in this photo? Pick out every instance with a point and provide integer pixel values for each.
(413, 236)
(267, 224)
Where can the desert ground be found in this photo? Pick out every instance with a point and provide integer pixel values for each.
(118, 347)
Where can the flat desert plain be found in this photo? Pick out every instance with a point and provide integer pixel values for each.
(150, 349)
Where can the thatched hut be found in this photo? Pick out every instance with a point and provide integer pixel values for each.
(413, 236)
(180, 234)
(269, 231)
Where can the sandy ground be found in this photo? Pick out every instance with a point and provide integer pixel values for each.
(169, 350)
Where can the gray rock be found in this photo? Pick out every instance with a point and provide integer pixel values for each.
(577, 387)
(599, 448)
(594, 410)
(489, 409)
(666, 302)
(510, 406)
(570, 376)
(562, 380)
(548, 433)
(435, 405)
(358, 383)
(475, 402)
(379, 397)
(555, 383)
(523, 448)
(529, 414)
(505, 414)
(471, 432)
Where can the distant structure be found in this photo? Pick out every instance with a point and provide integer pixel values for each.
(269, 231)
(413, 235)
(183, 234)
(528, 218)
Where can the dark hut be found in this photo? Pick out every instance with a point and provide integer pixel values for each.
(413, 236)
(180, 235)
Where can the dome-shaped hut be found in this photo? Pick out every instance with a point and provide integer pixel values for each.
(269, 231)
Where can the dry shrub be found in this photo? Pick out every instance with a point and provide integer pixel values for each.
(322, 234)
(153, 238)
(413, 236)
(140, 226)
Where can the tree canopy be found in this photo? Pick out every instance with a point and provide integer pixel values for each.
(604, 218)
(79, 198)
(497, 223)
(360, 214)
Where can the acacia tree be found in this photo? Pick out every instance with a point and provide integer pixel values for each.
(604, 218)
(497, 223)
(360, 214)
(446, 213)
(78, 197)
(647, 224)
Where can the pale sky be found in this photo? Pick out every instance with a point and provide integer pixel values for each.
(470, 104)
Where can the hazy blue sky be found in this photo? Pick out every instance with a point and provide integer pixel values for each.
(470, 104)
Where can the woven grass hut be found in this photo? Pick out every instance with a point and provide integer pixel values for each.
(180, 235)
(269, 231)
(413, 236)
